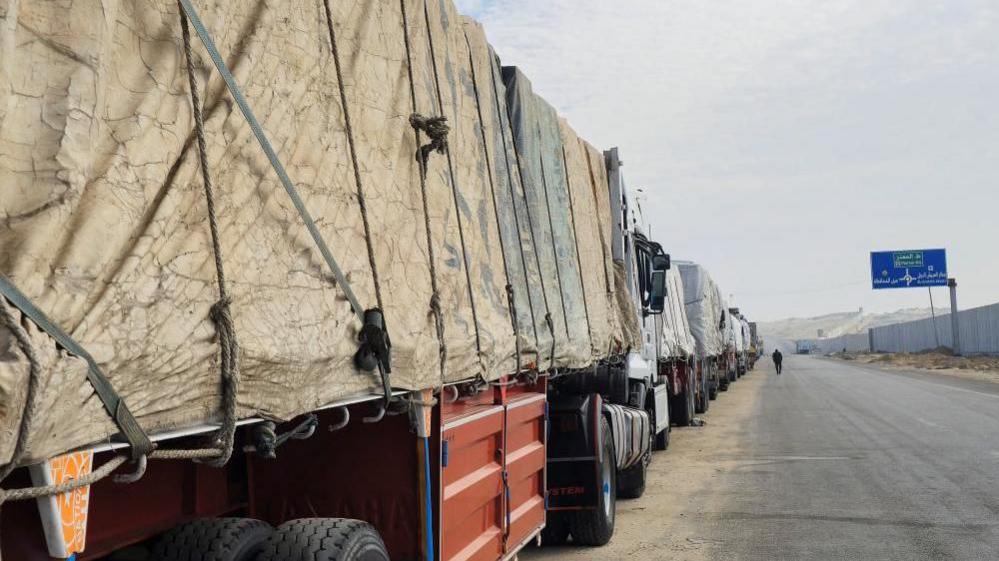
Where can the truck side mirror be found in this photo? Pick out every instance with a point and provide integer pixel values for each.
(661, 262)
(657, 292)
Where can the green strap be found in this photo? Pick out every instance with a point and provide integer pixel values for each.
(113, 403)
(258, 131)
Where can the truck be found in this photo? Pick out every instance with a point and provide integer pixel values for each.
(679, 359)
(284, 286)
(756, 346)
(706, 314)
(666, 373)
(739, 344)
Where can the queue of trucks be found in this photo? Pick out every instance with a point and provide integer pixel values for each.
(302, 283)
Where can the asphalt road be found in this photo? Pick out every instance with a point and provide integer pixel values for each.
(830, 460)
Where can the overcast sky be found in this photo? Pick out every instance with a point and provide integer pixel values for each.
(780, 141)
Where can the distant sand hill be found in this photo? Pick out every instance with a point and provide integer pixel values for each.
(785, 331)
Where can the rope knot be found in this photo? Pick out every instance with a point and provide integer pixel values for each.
(436, 129)
(220, 311)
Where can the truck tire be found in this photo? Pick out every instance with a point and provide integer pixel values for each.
(324, 539)
(595, 527)
(631, 482)
(662, 440)
(556, 530)
(713, 386)
(703, 403)
(213, 539)
(684, 407)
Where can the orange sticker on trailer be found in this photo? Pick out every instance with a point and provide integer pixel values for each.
(64, 516)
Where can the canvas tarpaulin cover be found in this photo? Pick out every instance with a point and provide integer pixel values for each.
(590, 216)
(538, 143)
(676, 339)
(104, 216)
(704, 308)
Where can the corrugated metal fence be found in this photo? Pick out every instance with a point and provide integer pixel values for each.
(854, 342)
(978, 330)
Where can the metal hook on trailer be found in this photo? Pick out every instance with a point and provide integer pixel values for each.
(401, 406)
(377, 416)
(140, 470)
(343, 422)
(457, 394)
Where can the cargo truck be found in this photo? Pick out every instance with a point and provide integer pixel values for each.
(706, 315)
(309, 282)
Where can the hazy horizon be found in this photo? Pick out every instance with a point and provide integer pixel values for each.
(780, 142)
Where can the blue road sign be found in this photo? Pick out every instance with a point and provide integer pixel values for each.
(910, 268)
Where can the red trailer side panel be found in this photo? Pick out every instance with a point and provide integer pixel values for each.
(472, 484)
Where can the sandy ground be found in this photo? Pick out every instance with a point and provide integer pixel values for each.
(973, 368)
(667, 521)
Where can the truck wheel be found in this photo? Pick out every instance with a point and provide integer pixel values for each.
(702, 398)
(713, 389)
(213, 539)
(324, 539)
(556, 531)
(662, 440)
(684, 407)
(595, 527)
(631, 482)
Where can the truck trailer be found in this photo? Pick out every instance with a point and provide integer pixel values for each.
(310, 281)
(706, 315)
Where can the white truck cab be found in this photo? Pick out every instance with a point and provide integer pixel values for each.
(645, 264)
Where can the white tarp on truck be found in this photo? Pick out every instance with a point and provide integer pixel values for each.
(704, 307)
(747, 334)
(734, 327)
(677, 340)
(104, 223)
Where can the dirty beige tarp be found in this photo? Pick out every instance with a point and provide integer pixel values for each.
(517, 249)
(104, 221)
(589, 201)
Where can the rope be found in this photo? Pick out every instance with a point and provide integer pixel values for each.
(603, 241)
(361, 202)
(220, 312)
(575, 241)
(551, 329)
(514, 319)
(537, 257)
(115, 407)
(513, 200)
(265, 145)
(369, 336)
(551, 227)
(435, 299)
(454, 183)
(30, 401)
(436, 129)
(65, 487)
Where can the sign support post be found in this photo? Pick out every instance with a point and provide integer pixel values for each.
(933, 312)
(954, 323)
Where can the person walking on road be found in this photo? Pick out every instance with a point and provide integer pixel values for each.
(778, 360)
